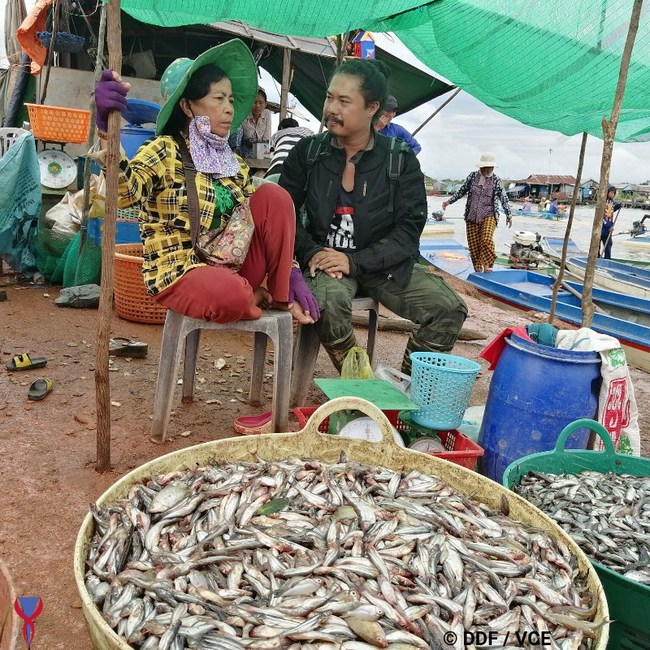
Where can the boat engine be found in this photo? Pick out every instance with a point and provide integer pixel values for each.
(526, 251)
(638, 228)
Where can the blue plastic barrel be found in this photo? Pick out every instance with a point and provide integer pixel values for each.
(132, 137)
(536, 391)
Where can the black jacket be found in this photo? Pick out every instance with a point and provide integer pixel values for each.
(385, 242)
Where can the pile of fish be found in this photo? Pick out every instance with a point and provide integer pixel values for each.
(607, 515)
(305, 554)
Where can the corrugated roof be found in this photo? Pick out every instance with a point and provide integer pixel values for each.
(545, 179)
(318, 46)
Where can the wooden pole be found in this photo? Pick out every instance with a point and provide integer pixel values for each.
(609, 131)
(567, 233)
(91, 132)
(286, 82)
(102, 383)
(437, 110)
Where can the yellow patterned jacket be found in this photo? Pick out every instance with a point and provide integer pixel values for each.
(154, 182)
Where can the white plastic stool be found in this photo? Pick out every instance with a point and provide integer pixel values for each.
(305, 351)
(178, 328)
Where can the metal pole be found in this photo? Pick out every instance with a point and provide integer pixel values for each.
(437, 110)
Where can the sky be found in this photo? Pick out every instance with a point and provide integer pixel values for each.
(453, 141)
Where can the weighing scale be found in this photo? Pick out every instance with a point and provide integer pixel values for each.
(57, 168)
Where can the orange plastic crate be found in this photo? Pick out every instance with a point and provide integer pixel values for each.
(56, 124)
(460, 449)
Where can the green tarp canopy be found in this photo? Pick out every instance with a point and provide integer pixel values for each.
(551, 64)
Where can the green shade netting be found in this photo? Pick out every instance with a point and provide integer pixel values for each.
(552, 64)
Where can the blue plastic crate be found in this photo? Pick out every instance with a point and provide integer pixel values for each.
(127, 232)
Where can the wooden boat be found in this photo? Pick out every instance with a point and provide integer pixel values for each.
(552, 246)
(447, 255)
(437, 227)
(615, 276)
(642, 241)
(542, 214)
(627, 318)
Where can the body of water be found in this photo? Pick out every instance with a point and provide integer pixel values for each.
(580, 231)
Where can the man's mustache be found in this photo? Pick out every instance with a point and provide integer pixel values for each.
(331, 118)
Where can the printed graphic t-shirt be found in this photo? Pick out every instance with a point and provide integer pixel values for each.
(341, 234)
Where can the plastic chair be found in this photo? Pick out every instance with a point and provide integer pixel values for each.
(178, 328)
(305, 351)
(9, 135)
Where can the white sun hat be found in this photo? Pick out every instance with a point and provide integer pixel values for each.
(487, 160)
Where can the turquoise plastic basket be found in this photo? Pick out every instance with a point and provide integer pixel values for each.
(441, 385)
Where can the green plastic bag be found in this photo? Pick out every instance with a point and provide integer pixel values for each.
(356, 365)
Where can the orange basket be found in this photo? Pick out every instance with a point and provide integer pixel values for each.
(56, 124)
(131, 299)
(459, 448)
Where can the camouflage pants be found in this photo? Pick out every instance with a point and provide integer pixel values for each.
(426, 300)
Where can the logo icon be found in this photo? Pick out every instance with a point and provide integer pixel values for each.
(29, 608)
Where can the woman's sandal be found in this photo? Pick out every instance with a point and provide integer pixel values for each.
(254, 425)
(40, 389)
(25, 362)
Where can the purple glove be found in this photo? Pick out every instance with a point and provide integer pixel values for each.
(110, 95)
(300, 292)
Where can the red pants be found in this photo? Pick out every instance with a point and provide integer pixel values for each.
(218, 294)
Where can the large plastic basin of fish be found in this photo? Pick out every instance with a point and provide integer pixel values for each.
(9, 624)
(629, 601)
(310, 443)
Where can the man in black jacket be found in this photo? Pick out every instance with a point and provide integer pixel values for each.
(365, 202)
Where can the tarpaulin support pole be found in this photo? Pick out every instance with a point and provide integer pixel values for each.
(102, 383)
(609, 131)
(286, 82)
(567, 233)
(437, 110)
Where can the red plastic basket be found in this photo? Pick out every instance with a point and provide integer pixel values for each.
(460, 449)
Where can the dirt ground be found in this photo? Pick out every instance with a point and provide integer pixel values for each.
(48, 448)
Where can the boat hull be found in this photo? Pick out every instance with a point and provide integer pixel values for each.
(526, 290)
(447, 255)
(614, 276)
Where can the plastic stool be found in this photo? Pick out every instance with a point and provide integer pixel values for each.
(178, 328)
(305, 351)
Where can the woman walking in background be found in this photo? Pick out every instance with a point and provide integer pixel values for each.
(484, 193)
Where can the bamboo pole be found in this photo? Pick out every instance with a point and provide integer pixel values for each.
(567, 233)
(609, 131)
(102, 383)
(286, 82)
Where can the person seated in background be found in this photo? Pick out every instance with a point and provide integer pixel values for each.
(257, 126)
(553, 207)
(234, 140)
(527, 206)
(384, 125)
(289, 133)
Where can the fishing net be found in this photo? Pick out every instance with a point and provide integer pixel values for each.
(552, 64)
(49, 247)
(82, 262)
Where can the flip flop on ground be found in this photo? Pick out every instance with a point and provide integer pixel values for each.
(40, 389)
(254, 425)
(25, 362)
(121, 346)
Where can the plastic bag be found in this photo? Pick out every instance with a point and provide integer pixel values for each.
(356, 365)
(398, 379)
